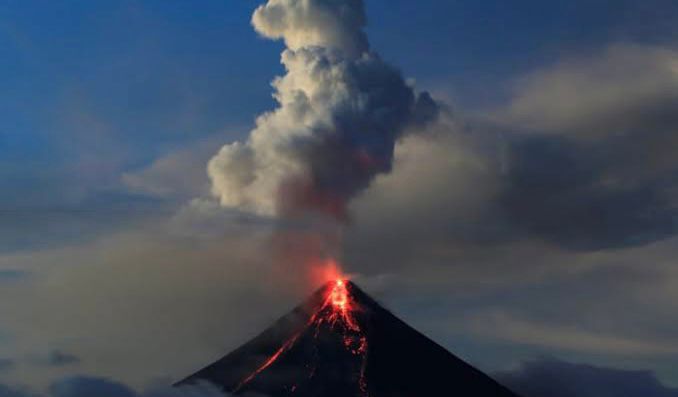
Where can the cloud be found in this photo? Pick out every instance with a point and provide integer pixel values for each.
(178, 175)
(569, 177)
(10, 275)
(554, 378)
(59, 358)
(341, 110)
(89, 386)
(583, 197)
(315, 23)
(439, 196)
(144, 297)
(44, 226)
(80, 386)
(6, 391)
(6, 364)
(623, 88)
(555, 168)
(571, 338)
(550, 171)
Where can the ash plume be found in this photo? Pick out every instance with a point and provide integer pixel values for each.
(341, 111)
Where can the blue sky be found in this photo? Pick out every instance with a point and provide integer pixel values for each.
(111, 110)
(124, 67)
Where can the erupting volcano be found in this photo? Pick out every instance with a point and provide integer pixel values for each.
(342, 343)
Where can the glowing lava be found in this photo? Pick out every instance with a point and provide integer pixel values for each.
(337, 312)
(339, 295)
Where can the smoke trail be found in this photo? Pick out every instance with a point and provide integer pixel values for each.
(341, 110)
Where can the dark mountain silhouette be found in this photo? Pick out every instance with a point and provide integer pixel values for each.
(341, 343)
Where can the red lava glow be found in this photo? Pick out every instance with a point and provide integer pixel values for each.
(338, 313)
(325, 270)
(339, 295)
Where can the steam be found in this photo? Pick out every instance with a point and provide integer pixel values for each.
(341, 110)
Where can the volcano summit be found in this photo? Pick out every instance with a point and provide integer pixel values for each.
(342, 343)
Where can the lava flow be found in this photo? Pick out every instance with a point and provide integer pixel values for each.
(338, 313)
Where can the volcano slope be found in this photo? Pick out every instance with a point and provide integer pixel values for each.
(342, 343)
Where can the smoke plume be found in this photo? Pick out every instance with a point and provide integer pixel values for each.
(341, 110)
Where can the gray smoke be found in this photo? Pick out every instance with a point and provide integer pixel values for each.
(341, 110)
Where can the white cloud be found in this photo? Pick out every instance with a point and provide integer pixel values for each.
(179, 174)
(559, 337)
(621, 88)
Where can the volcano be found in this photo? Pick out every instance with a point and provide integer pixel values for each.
(342, 343)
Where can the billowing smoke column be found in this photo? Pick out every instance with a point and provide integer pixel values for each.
(341, 110)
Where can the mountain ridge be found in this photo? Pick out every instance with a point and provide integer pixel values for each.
(340, 342)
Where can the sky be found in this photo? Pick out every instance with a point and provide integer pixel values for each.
(528, 224)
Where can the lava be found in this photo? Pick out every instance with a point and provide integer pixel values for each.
(269, 361)
(341, 305)
(339, 295)
(337, 312)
